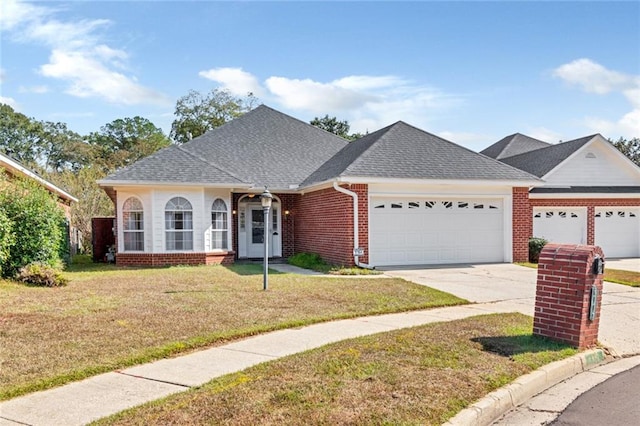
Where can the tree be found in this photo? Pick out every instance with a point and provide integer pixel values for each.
(333, 125)
(20, 136)
(196, 113)
(92, 200)
(124, 141)
(630, 148)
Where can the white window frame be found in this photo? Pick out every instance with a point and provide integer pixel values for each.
(178, 212)
(219, 225)
(133, 224)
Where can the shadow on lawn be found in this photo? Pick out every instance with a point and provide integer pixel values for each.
(250, 269)
(519, 344)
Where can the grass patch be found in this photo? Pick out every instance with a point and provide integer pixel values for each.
(111, 317)
(420, 375)
(630, 278)
(314, 262)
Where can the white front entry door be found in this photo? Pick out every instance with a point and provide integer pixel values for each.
(618, 231)
(416, 231)
(562, 225)
(256, 231)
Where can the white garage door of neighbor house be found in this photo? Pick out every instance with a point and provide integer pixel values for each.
(560, 225)
(617, 231)
(436, 231)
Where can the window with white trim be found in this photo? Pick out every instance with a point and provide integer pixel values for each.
(133, 224)
(178, 224)
(219, 225)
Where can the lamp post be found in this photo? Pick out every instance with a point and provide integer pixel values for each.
(266, 199)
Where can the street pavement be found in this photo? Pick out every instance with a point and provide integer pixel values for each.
(494, 288)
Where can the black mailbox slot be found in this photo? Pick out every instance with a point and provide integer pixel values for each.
(598, 266)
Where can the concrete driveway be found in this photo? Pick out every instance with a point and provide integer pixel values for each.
(624, 264)
(512, 288)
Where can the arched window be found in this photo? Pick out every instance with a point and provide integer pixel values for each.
(219, 229)
(178, 224)
(133, 224)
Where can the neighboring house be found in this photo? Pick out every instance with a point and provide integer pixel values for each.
(400, 196)
(591, 193)
(14, 168)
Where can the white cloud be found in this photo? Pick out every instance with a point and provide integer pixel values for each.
(314, 96)
(77, 54)
(595, 78)
(9, 101)
(235, 80)
(89, 76)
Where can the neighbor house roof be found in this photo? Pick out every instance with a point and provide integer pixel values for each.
(541, 161)
(406, 152)
(15, 168)
(513, 145)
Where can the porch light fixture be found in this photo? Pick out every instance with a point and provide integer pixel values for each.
(266, 198)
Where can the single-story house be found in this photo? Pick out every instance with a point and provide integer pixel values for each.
(397, 196)
(590, 195)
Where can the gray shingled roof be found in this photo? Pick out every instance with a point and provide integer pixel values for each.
(263, 147)
(173, 165)
(268, 148)
(513, 145)
(405, 152)
(542, 161)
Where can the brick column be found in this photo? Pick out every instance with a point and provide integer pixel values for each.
(522, 224)
(563, 294)
(591, 217)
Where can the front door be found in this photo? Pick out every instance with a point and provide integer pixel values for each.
(256, 231)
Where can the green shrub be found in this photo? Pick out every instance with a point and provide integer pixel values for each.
(309, 261)
(38, 220)
(42, 275)
(535, 247)
(7, 238)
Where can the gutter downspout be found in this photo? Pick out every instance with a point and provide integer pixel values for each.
(356, 240)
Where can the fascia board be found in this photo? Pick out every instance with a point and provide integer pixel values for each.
(583, 195)
(472, 182)
(17, 167)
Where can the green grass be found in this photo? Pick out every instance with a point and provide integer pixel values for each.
(421, 375)
(630, 278)
(314, 262)
(111, 317)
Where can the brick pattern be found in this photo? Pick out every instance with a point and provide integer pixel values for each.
(590, 204)
(166, 259)
(563, 292)
(324, 224)
(522, 223)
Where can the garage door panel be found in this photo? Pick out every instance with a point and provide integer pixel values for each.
(560, 224)
(617, 231)
(433, 231)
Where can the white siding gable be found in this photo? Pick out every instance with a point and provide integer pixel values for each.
(595, 164)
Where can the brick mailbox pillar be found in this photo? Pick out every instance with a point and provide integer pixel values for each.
(569, 294)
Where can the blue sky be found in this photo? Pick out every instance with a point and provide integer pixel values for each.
(472, 72)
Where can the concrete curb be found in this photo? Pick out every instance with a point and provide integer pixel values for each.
(491, 407)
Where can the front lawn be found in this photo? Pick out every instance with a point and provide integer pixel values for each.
(422, 375)
(110, 317)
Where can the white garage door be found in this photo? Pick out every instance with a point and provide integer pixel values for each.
(618, 231)
(435, 231)
(560, 225)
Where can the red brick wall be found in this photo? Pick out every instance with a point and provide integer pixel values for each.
(324, 224)
(165, 259)
(589, 203)
(563, 293)
(522, 224)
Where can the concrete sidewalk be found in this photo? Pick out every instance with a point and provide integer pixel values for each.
(96, 397)
(496, 289)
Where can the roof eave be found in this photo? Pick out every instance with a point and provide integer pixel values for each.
(17, 167)
(475, 182)
(124, 183)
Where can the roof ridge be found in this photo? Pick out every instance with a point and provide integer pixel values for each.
(299, 120)
(204, 160)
